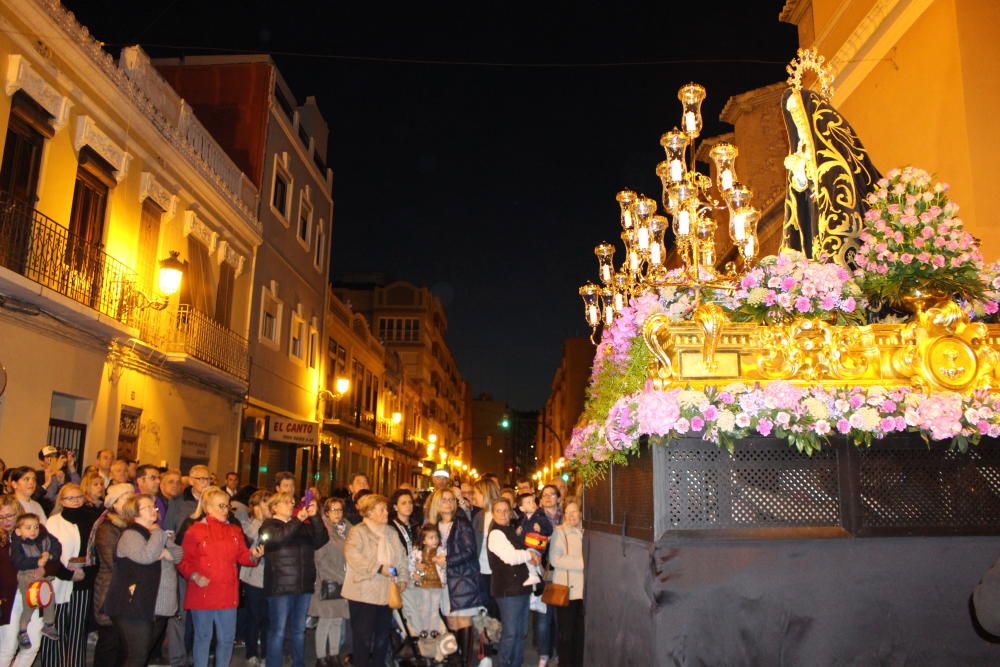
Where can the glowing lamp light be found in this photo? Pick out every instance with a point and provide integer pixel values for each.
(397, 417)
(342, 385)
(605, 256)
(691, 97)
(432, 438)
(171, 274)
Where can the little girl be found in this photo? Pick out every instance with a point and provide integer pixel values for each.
(422, 603)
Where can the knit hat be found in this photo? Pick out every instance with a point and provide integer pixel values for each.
(115, 492)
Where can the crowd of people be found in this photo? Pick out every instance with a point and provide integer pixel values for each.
(180, 569)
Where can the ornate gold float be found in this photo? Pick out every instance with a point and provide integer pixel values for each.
(940, 350)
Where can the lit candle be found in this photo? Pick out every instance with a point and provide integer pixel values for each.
(633, 261)
(627, 219)
(750, 248)
(606, 273)
(642, 237)
(654, 254)
(690, 122)
(609, 315)
(676, 170)
(683, 223)
(739, 226)
(727, 179)
(619, 301)
(592, 315)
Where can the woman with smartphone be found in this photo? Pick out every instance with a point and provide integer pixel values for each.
(290, 539)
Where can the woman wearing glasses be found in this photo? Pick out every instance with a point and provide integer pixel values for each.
(213, 548)
(290, 539)
(10, 601)
(143, 591)
(71, 523)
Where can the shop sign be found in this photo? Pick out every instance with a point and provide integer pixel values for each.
(289, 430)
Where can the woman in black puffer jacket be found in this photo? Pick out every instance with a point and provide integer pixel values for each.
(290, 545)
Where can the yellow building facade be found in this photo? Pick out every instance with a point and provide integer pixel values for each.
(919, 81)
(105, 173)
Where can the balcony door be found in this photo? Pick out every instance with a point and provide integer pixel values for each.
(27, 129)
(84, 261)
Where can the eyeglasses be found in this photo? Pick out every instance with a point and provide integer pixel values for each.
(222, 506)
(149, 507)
(7, 517)
(155, 478)
(72, 499)
(550, 495)
(335, 509)
(201, 479)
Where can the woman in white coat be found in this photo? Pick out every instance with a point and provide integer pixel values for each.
(71, 523)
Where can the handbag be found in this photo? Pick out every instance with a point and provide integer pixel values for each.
(557, 595)
(330, 590)
(395, 598)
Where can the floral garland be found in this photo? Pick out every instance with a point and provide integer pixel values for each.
(790, 286)
(805, 416)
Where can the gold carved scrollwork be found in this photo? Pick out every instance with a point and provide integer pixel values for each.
(655, 331)
(943, 350)
(814, 350)
(711, 317)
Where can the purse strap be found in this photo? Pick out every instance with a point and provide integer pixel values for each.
(566, 539)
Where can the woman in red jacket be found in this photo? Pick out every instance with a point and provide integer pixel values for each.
(213, 548)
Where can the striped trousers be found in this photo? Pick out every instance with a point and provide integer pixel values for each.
(71, 624)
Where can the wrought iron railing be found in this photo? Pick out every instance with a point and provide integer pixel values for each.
(191, 332)
(40, 249)
(344, 411)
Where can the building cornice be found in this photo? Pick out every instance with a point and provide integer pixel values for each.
(870, 42)
(793, 11)
(98, 68)
(737, 105)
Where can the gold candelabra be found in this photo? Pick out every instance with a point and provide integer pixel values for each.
(691, 199)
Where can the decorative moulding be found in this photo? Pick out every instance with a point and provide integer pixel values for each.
(153, 189)
(226, 253)
(88, 134)
(22, 76)
(194, 226)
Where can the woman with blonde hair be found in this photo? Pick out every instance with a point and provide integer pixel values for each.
(485, 492)
(93, 490)
(290, 544)
(375, 557)
(213, 550)
(10, 600)
(462, 597)
(72, 523)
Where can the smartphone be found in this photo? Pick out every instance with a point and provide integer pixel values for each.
(305, 502)
(392, 571)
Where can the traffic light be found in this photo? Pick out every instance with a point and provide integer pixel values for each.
(505, 422)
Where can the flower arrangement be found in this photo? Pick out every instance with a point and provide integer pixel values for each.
(986, 309)
(790, 286)
(805, 416)
(912, 240)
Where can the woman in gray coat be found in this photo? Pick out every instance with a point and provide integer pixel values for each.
(327, 603)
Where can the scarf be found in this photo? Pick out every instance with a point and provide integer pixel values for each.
(382, 553)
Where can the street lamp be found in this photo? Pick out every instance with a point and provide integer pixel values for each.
(171, 275)
(342, 385)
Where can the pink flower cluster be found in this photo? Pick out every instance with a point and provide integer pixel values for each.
(804, 415)
(911, 229)
(987, 308)
(790, 286)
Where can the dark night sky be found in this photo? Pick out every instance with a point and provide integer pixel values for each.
(491, 184)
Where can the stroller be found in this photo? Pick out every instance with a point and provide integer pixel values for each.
(438, 648)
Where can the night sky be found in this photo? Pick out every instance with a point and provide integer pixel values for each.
(477, 148)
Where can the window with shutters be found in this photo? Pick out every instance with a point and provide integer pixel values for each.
(149, 243)
(27, 130)
(94, 180)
